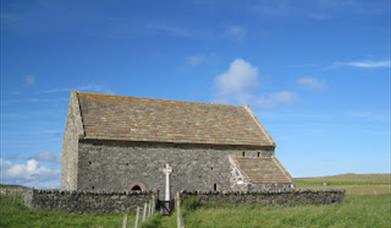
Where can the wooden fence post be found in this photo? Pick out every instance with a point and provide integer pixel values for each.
(144, 212)
(149, 209)
(13, 197)
(179, 220)
(153, 204)
(137, 216)
(125, 221)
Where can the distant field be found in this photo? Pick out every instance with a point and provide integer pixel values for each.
(347, 179)
(354, 184)
(367, 204)
(10, 186)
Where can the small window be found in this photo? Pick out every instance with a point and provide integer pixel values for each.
(93, 187)
(89, 162)
(244, 154)
(215, 187)
(127, 164)
(211, 168)
(258, 154)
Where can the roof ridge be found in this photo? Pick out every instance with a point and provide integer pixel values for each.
(158, 99)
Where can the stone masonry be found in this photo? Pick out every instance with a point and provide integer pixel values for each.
(269, 198)
(118, 144)
(130, 164)
(108, 202)
(85, 202)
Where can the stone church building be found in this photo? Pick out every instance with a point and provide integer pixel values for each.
(117, 144)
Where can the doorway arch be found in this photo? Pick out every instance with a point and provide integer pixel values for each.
(136, 186)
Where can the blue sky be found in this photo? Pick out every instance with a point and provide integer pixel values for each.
(316, 73)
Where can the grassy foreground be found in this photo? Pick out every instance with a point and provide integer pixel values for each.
(370, 211)
(367, 204)
(14, 214)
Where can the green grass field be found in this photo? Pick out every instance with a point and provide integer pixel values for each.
(354, 184)
(14, 214)
(367, 204)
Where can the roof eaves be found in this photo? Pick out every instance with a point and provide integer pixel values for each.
(103, 139)
(286, 173)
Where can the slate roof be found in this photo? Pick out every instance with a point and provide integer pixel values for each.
(263, 170)
(112, 117)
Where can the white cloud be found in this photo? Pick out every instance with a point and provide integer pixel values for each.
(194, 60)
(276, 98)
(238, 83)
(46, 157)
(95, 88)
(29, 174)
(57, 90)
(170, 30)
(370, 115)
(304, 65)
(367, 63)
(55, 132)
(311, 83)
(199, 58)
(89, 88)
(35, 100)
(4, 164)
(29, 80)
(236, 33)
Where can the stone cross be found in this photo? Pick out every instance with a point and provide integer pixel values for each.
(167, 170)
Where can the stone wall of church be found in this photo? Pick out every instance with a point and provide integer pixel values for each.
(69, 155)
(118, 166)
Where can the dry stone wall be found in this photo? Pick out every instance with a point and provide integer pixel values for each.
(265, 198)
(79, 201)
(104, 202)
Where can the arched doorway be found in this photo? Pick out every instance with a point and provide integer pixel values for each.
(136, 188)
